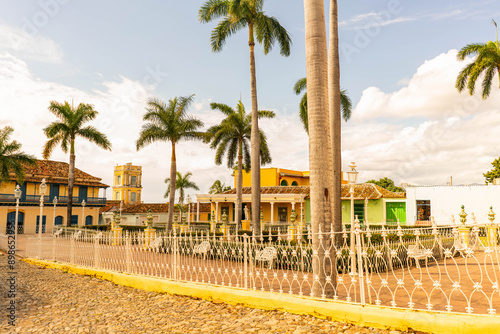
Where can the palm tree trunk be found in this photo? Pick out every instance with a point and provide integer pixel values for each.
(171, 200)
(71, 181)
(335, 133)
(239, 186)
(254, 139)
(319, 134)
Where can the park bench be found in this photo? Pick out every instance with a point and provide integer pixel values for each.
(58, 232)
(417, 253)
(202, 248)
(157, 243)
(77, 235)
(459, 246)
(267, 254)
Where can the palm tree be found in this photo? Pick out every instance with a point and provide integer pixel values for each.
(170, 123)
(12, 160)
(345, 102)
(320, 151)
(231, 137)
(485, 65)
(218, 187)
(71, 124)
(181, 183)
(236, 15)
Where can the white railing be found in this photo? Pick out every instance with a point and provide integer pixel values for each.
(451, 269)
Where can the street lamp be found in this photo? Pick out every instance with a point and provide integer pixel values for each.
(352, 176)
(17, 195)
(54, 201)
(189, 211)
(83, 212)
(43, 188)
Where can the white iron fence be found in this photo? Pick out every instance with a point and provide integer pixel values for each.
(453, 268)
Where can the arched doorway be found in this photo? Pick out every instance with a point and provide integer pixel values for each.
(11, 221)
(59, 221)
(88, 220)
(284, 183)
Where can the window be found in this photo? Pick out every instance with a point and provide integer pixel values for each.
(117, 196)
(284, 183)
(282, 214)
(134, 180)
(359, 210)
(133, 197)
(118, 179)
(294, 183)
(88, 220)
(423, 210)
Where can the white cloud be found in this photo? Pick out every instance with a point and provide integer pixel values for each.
(27, 46)
(433, 133)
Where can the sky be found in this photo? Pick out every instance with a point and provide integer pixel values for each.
(398, 64)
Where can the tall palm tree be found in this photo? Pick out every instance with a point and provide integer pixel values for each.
(12, 160)
(485, 65)
(181, 183)
(218, 187)
(236, 15)
(71, 124)
(345, 102)
(230, 138)
(170, 123)
(320, 151)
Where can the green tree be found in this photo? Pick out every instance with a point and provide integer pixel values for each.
(12, 160)
(181, 183)
(169, 123)
(386, 183)
(236, 15)
(231, 137)
(484, 67)
(345, 102)
(494, 172)
(218, 187)
(71, 124)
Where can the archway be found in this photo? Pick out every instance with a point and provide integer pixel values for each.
(88, 220)
(284, 183)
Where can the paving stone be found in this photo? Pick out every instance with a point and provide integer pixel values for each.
(52, 301)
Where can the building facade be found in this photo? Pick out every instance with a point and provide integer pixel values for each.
(127, 184)
(89, 194)
(274, 177)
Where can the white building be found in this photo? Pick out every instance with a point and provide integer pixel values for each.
(441, 202)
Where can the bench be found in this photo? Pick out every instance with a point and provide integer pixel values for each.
(202, 248)
(157, 243)
(58, 232)
(77, 235)
(267, 254)
(459, 246)
(417, 253)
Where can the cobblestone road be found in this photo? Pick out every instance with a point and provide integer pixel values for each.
(52, 301)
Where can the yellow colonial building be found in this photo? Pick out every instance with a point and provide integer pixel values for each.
(88, 196)
(127, 184)
(274, 177)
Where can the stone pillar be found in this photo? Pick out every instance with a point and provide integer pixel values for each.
(149, 236)
(272, 212)
(216, 211)
(293, 205)
(197, 211)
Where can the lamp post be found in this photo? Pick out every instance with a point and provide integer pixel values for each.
(43, 188)
(17, 195)
(83, 212)
(352, 176)
(189, 212)
(54, 201)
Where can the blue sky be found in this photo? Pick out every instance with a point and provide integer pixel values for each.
(397, 62)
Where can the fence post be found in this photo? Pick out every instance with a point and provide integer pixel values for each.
(245, 260)
(53, 248)
(357, 233)
(128, 253)
(72, 250)
(96, 250)
(175, 255)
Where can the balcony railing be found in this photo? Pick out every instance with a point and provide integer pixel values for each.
(9, 198)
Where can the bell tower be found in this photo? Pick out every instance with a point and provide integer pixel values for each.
(127, 183)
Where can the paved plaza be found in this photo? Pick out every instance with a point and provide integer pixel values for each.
(52, 301)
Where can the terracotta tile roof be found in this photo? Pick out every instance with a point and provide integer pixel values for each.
(110, 204)
(273, 190)
(361, 191)
(204, 207)
(57, 172)
(145, 207)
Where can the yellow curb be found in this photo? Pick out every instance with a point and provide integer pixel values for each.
(368, 315)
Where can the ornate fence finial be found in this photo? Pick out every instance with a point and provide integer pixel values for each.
(463, 216)
(491, 216)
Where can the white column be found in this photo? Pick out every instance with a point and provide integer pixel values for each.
(197, 211)
(272, 212)
(293, 205)
(216, 211)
